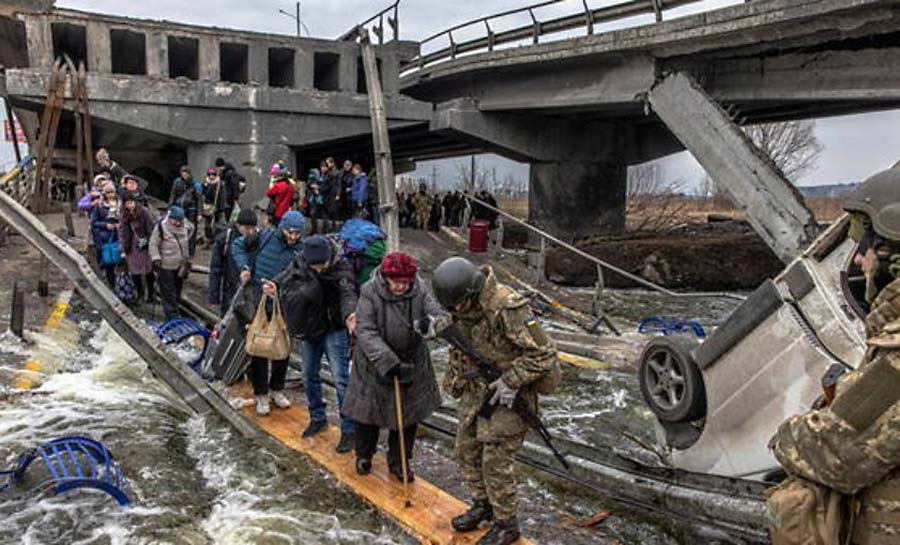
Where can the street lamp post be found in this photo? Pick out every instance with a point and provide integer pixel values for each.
(297, 19)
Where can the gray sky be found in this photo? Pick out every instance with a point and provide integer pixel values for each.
(855, 146)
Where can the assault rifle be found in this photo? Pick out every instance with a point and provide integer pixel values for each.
(491, 372)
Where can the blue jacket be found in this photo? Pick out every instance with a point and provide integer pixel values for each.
(99, 220)
(359, 194)
(272, 255)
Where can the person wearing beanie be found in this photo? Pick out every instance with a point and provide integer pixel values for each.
(224, 273)
(392, 307)
(105, 228)
(171, 258)
(260, 260)
(318, 296)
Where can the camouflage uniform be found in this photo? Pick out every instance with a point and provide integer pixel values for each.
(422, 203)
(822, 447)
(486, 448)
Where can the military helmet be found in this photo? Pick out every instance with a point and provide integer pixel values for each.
(456, 280)
(879, 199)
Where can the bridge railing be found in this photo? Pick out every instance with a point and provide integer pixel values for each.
(489, 39)
(377, 21)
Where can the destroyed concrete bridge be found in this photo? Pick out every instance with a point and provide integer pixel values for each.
(579, 110)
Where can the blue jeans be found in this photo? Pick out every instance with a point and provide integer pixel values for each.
(334, 345)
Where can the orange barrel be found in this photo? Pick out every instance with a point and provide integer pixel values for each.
(478, 236)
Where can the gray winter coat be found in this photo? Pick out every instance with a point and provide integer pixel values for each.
(385, 337)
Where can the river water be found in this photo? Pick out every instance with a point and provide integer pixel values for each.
(195, 482)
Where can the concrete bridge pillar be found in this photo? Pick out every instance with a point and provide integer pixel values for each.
(578, 168)
(579, 189)
(577, 198)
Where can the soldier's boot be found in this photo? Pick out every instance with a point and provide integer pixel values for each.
(502, 532)
(480, 511)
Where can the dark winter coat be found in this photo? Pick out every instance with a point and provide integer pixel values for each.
(268, 260)
(317, 303)
(224, 274)
(232, 181)
(385, 337)
(185, 194)
(100, 218)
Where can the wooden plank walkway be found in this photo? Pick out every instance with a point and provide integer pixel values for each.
(427, 519)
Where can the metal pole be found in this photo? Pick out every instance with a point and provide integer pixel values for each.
(382, 144)
(298, 19)
(43, 287)
(17, 313)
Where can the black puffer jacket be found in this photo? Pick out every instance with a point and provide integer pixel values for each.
(385, 337)
(317, 303)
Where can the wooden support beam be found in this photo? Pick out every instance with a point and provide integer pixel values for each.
(387, 200)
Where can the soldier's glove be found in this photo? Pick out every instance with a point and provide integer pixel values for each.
(503, 394)
(429, 327)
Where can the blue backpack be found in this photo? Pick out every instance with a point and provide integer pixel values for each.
(357, 234)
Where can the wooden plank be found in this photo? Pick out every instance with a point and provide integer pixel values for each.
(427, 519)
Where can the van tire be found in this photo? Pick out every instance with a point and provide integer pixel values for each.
(671, 381)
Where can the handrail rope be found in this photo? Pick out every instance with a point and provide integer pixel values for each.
(611, 267)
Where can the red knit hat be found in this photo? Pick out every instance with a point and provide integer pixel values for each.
(399, 266)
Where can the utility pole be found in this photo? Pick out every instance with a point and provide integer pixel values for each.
(297, 19)
(472, 175)
(433, 178)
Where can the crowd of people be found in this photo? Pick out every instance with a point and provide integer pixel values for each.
(427, 211)
(372, 325)
(327, 197)
(140, 250)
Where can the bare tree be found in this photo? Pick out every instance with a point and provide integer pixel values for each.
(476, 180)
(652, 203)
(792, 146)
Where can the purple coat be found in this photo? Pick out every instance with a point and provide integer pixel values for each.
(133, 231)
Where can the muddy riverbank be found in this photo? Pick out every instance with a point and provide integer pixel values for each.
(714, 256)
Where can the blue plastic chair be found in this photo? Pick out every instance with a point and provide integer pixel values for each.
(73, 462)
(667, 326)
(178, 329)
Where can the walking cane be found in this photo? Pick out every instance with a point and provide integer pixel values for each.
(398, 401)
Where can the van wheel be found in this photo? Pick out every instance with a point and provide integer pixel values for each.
(670, 380)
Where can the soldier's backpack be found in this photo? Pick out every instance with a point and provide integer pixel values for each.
(801, 512)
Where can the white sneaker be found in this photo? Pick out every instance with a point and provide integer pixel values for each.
(281, 401)
(262, 405)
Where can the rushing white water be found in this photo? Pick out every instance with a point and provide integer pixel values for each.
(192, 481)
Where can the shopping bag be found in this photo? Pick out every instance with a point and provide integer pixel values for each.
(111, 253)
(268, 338)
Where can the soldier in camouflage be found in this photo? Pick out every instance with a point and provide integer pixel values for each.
(852, 446)
(422, 202)
(500, 326)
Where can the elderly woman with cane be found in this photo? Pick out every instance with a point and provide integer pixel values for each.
(392, 368)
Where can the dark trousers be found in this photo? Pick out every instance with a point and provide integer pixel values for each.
(259, 375)
(367, 443)
(143, 289)
(170, 292)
